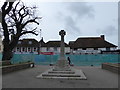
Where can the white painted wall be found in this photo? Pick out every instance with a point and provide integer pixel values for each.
(113, 48)
(102, 49)
(90, 50)
(51, 49)
(43, 49)
(24, 52)
(67, 49)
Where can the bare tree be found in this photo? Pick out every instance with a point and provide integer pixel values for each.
(16, 20)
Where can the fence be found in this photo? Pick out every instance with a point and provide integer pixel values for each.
(75, 59)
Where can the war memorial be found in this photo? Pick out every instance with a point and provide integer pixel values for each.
(62, 69)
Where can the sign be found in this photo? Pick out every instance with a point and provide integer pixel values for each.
(47, 53)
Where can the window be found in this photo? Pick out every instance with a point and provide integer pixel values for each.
(23, 49)
(30, 42)
(75, 49)
(29, 49)
(34, 49)
(48, 48)
(95, 48)
(26, 49)
(83, 48)
(19, 42)
(107, 49)
(18, 49)
(55, 48)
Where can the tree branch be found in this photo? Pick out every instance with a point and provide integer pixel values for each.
(27, 32)
(30, 21)
(4, 6)
(9, 7)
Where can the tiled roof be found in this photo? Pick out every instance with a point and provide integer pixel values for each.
(55, 44)
(25, 43)
(94, 42)
(71, 44)
(35, 43)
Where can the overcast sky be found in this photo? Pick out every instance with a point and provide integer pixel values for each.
(78, 19)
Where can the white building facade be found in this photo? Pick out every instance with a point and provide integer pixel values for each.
(54, 46)
(55, 50)
(31, 46)
(27, 46)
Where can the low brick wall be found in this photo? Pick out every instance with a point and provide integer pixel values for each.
(111, 67)
(16, 67)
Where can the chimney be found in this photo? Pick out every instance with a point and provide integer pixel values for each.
(41, 40)
(103, 37)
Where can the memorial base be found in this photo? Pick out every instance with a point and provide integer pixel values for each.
(74, 74)
(62, 65)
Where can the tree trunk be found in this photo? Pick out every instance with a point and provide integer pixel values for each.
(7, 55)
(7, 51)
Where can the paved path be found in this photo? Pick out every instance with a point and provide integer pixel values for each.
(97, 78)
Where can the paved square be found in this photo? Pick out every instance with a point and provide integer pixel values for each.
(96, 78)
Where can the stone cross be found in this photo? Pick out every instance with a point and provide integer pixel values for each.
(62, 33)
(62, 64)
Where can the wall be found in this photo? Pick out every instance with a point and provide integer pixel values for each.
(111, 67)
(112, 48)
(91, 50)
(12, 68)
(44, 49)
(20, 51)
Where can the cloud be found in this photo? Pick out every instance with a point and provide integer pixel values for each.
(71, 25)
(109, 30)
(75, 12)
(81, 9)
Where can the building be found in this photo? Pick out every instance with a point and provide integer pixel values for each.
(86, 45)
(27, 46)
(54, 46)
(91, 45)
(1, 45)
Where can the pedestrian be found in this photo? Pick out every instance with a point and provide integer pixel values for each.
(69, 60)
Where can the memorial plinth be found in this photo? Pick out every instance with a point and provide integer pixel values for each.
(62, 69)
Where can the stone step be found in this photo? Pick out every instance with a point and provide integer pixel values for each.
(62, 72)
(60, 75)
(77, 75)
(68, 78)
